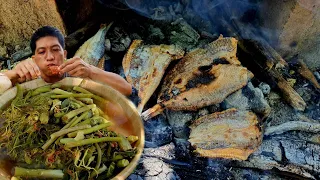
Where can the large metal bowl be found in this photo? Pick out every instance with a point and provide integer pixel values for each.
(132, 124)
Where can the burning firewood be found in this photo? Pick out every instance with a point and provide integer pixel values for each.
(145, 65)
(203, 77)
(305, 72)
(268, 66)
(293, 126)
(231, 134)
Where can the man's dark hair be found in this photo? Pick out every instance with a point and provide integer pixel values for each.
(43, 32)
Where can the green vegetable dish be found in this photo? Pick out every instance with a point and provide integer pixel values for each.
(57, 132)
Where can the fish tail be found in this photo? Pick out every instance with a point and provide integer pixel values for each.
(140, 108)
(152, 112)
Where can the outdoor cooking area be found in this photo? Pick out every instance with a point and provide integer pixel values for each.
(225, 89)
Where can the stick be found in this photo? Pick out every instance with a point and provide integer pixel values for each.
(293, 126)
(259, 64)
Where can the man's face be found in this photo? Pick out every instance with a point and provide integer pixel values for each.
(48, 53)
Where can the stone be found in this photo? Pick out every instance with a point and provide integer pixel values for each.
(166, 151)
(305, 93)
(303, 154)
(183, 35)
(157, 131)
(314, 111)
(253, 174)
(248, 98)
(119, 39)
(154, 168)
(22, 54)
(19, 19)
(126, 41)
(292, 27)
(135, 36)
(290, 155)
(179, 120)
(265, 88)
(134, 177)
(155, 35)
(182, 150)
(270, 148)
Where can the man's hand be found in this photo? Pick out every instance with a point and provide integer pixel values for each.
(26, 70)
(76, 67)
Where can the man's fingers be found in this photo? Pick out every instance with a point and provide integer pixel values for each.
(33, 70)
(35, 67)
(76, 72)
(70, 61)
(26, 72)
(70, 67)
(22, 76)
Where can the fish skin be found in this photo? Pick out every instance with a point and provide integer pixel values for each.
(93, 49)
(223, 80)
(230, 134)
(222, 50)
(145, 65)
(203, 77)
(227, 79)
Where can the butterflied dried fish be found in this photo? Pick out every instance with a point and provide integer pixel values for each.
(197, 81)
(205, 87)
(144, 66)
(231, 134)
(93, 49)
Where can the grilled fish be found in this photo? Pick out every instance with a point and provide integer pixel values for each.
(231, 134)
(203, 77)
(144, 66)
(93, 49)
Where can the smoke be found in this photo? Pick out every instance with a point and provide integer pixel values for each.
(249, 19)
(227, 17)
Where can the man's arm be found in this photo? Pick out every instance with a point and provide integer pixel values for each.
(112, 79)
(24, 71)
(78, 68)
(5, 83)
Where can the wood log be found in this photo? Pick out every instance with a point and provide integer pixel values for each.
(293, 156)
(262, 63)
(304, 71)
(293, 126)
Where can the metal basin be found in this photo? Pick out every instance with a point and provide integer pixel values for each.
(125, 117)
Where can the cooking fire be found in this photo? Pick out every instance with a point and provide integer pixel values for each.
(226, 89)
